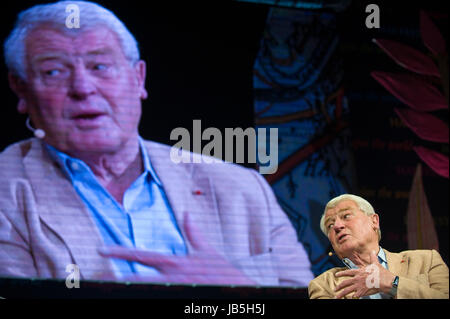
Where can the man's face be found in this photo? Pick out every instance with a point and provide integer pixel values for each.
(81, 90)
(350, 229)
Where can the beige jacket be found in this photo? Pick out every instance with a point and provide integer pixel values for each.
(422, 275)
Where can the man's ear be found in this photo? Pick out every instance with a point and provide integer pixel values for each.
(22, 106)
(375, 221)
(19, 88)
(141, 69)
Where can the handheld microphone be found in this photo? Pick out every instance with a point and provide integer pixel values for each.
(37, 132)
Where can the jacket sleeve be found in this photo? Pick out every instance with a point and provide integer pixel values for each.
(318, 291)
(436, 276)
(288, 255)
(16, 259)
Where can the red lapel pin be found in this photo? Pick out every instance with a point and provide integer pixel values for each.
(197, 192)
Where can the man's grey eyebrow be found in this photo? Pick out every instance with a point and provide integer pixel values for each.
(48, 56)
(54, 56)
(100, 52)
(328, 218)
(334, 215)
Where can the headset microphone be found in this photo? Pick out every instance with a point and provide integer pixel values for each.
(37, 132)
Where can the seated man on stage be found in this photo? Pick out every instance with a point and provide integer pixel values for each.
(353, 228)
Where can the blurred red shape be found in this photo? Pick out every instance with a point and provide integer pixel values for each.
(435, 160)
(408, 57)
(426, 126)
(431, 36)
(418, 94)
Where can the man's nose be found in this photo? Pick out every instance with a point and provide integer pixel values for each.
(82, 84)
(338, 225)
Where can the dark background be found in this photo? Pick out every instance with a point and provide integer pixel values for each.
(200, 58)
(385, 170)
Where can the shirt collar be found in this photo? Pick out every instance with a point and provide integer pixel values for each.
(382, 255)
(65, 161)
(146, 160)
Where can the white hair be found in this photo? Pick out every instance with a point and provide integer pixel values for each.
(92, 16)
(362, 204)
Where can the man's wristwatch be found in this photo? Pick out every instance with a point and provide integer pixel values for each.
(393, 291)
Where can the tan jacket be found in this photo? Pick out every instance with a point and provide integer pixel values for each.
(45, 226)
(422, 275)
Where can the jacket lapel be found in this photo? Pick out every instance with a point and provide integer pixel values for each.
(397, 263)
(188, 192)
(61, 209)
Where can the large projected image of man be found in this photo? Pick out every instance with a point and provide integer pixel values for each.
(89, 191)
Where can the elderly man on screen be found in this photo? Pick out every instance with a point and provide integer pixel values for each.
(90, 192)
(353, 228)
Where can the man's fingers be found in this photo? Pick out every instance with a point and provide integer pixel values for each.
(343, 273)
(373, 257)
(194, 236)
(358, 261)
(345, 292)
(156, 279)
(144, 257)
(344, 284)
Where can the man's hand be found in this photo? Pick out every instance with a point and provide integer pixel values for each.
(366, 280)
(203, 266)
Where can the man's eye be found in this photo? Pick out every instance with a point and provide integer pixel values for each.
(100, 67)
(52, 72)
(330, 226)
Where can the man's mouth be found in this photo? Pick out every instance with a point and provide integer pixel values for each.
(342, 238)
(87, 116)
(88, 119)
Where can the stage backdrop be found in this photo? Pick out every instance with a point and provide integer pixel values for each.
(359, 110)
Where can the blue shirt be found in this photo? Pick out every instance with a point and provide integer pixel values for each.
(383, 261)
(145, 221)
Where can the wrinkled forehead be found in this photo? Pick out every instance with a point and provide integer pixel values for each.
(341, 206)
(45, 39)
